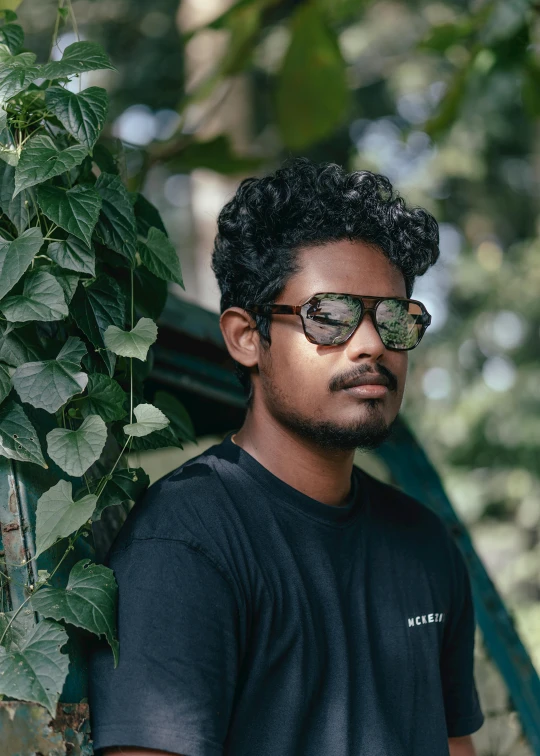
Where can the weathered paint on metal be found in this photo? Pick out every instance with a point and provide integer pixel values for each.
(27, 730)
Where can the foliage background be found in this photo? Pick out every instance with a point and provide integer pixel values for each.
(442, 97)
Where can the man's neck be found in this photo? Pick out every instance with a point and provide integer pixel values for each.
(322, 474)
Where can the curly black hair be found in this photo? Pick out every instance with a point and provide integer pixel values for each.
(305, 204)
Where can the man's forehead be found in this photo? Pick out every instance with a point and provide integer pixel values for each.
(343, 266)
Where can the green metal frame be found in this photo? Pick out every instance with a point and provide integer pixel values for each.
(190, 360)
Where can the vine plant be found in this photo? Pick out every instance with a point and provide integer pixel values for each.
(80, 258)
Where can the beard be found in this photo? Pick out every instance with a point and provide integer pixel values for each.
(364, 435)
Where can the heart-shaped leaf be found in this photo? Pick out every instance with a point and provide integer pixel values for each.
(5, 381)
(41, 160)
(82, 114)
(42, 299)
(74, 451)
(20, 210)
(18, 437)
(72, 351)
(97, 306)
(160, 257)
(67, 279)
(50, 383)
(88, 601)
(160, 439)
(74, 254)
(124, 485)
(149, 418)
(58, 516)
(16, 256)
(36, 670)
(134, 343)
(77, 57)
(177, 414)
(16, 73)
(116, 227)
(18, 345)
(75, 210)
(15, 628)
(13, 36)
(104, 397)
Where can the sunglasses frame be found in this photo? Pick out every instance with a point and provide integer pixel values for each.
(369, 305)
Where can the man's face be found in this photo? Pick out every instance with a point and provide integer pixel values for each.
(301, 384)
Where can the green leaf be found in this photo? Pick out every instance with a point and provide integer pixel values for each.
(104, 397)
(74, 451)
(147, 215)
(20, 210)
(88, 601)
(18, 437)
(73, 351)
(125, 485)
(5, 381)
(16, 74)
(116, 227)
(67, 279)
(78, 57)
(74, 254)
(216, 154)
(150, 293)
(16, 256)
(18, 345)
(42, 299)
(97, 306)
(82, 114)
(41, 160)
(134, 343)
(36, 670)
(50, 383)
(9, 15)
(58, 516)
(76, 210)
(160, 439)
(313, 65)
(149, 419)
(177, 414)
(17, 629)
(160, 257)
(13, 36)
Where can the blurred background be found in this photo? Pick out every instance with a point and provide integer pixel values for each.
(441, 97)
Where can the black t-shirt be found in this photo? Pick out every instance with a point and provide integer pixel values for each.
(254, 620)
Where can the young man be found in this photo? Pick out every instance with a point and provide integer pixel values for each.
(275, 600)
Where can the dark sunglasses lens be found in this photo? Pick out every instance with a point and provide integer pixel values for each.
(331, 319)
(401, 324)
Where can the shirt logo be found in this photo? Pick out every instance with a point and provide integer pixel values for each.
(425, 619)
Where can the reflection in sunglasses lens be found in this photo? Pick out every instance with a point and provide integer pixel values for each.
(332, 318)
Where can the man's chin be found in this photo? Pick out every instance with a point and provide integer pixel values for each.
(328, 435)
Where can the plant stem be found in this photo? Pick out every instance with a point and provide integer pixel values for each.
(56, 26)
(9, 624)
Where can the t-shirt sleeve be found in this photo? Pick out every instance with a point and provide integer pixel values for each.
(179, 653)
(462, 707)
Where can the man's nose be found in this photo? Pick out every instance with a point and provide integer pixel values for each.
(366, 340)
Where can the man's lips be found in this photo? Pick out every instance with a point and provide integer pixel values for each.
(368, 379)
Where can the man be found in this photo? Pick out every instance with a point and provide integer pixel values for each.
(274, 599)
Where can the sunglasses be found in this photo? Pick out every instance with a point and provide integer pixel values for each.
(330, 319)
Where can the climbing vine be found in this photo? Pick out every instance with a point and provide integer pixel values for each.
(84, 266)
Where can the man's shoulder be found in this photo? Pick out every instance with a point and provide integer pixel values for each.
(180, 504)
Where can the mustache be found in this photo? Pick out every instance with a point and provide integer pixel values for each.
(340, 381)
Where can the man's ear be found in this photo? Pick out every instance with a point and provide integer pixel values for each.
(241, 336)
